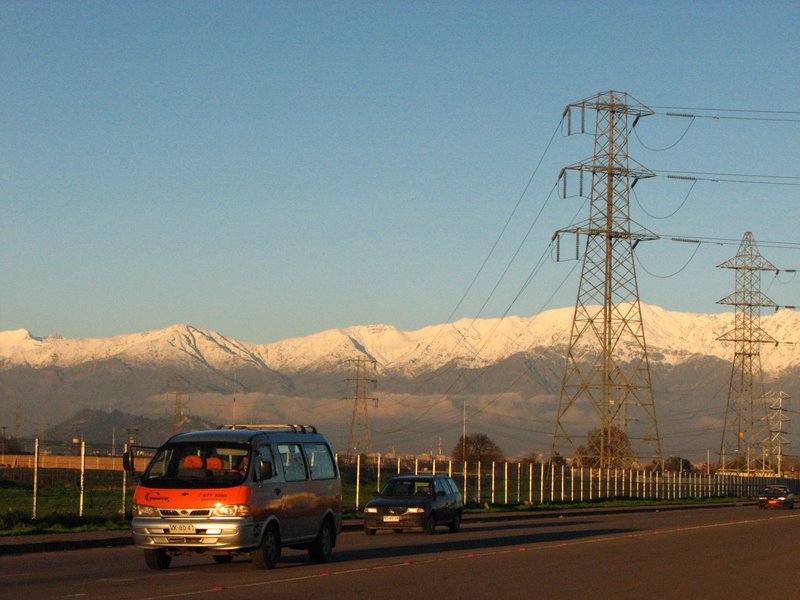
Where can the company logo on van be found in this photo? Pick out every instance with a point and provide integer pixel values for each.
(155, 497)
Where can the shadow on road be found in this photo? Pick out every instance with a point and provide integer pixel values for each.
(411, 544)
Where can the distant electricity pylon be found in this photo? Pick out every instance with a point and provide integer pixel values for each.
(607, 369)
(777, 433)
(359, 441)
(178, 418)
(745, 436)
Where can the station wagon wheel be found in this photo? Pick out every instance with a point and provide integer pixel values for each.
(267, 555)
(369, 531)
(157, 559)
(321, 549)
(430, 524)
(455, 525)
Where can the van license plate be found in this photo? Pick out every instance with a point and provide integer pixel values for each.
(391, 519)
(181, 528)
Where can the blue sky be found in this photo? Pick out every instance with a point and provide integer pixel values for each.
(273, 169)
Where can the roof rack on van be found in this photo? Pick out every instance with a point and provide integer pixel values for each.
(274, 427)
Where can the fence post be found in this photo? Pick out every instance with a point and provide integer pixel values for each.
(519, 483)
(572, 483)
(465, 480)
(358, 480)
(552, 482)
(505, 483)
(35, 476)
(83, 477)
(530, 483)
(493, 482)
(541, 486)
(478, 485)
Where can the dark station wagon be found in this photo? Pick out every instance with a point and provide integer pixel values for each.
(418, 502)
(776, 496)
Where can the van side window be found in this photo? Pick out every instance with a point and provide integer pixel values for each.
(294, 465)
(320, 461)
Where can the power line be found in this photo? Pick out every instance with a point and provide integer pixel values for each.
(729, 241)
(673, 213)
(664, 149)
(718, 118)
(758, 176)
(785, 180)
(678, 272)
(500, 235)
(740, 110)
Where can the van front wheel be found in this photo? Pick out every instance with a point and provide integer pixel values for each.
(157, 559)
(267, 555)
(321, 548)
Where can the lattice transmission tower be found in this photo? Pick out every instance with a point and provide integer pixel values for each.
(178, 404)
(607, 370)
(359, 441)
(745, 434)
(777, 431)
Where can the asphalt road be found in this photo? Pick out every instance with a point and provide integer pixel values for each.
(726, 553)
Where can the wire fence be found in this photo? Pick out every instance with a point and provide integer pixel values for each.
(46, 485)
(516, 483)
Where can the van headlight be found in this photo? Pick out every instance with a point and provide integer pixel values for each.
(231, 510)
(142, 510)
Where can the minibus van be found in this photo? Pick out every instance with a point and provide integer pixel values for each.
(238, 489)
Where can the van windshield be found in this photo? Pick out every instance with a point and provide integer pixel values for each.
(198, 465)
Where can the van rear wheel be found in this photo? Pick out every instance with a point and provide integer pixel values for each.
(321, 548)
(157, 559)
(268, 553)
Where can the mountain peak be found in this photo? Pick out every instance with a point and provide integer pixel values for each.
(672, 335)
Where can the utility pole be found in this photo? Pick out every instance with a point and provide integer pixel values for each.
(607, 369)
(359, 441)
(743, 433)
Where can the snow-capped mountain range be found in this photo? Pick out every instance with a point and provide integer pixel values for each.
(672, 338)
(507, 371)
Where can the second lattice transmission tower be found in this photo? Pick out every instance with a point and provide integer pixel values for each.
(360, 441)
(607, 372)
(745, 434)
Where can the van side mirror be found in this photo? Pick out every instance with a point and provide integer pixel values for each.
(127, 461)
